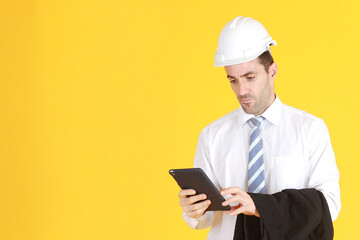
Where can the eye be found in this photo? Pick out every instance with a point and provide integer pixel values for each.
(232, 80)
(250, 77)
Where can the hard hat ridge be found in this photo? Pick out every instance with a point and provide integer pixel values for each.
(241, 40)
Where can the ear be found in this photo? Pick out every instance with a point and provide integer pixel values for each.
(273, 69)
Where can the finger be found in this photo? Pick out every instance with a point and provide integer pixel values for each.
(196, 198)
(197, 206)
(238, 211)
(190, 200)
(186, 192)
(230, 190)
(232, 209)
(237, 198)
(198, 212)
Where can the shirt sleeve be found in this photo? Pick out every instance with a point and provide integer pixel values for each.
(323, 172)
(202, 160)
(199, 223)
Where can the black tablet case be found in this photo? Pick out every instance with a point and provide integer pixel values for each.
(195, 178)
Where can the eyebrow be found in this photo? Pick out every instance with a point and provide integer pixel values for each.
(244, 75)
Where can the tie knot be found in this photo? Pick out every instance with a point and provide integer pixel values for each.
(257, 120)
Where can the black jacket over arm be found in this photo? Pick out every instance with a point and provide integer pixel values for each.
(291, 214)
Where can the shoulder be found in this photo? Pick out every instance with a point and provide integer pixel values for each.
(301, 118)
(227, 121)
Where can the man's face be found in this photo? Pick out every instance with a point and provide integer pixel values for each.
(252, 85)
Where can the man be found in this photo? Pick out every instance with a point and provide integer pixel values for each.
(260, 149)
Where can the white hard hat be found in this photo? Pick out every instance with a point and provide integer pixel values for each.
(241, 40)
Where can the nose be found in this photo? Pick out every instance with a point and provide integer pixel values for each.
(242, 89)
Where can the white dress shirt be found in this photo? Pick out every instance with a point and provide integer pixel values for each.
(297, 154)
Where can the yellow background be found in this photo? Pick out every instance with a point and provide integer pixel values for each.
(99, 99)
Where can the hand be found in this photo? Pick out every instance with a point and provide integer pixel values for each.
(246, 204)
(192, 209)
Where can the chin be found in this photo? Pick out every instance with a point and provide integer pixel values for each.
(248, 111)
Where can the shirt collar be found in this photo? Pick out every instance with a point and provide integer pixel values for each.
(272, 113)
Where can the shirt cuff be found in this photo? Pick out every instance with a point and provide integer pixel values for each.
(199, 223)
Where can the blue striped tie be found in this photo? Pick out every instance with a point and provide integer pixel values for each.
(256, 171)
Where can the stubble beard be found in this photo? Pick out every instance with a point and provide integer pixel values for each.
(257, 106)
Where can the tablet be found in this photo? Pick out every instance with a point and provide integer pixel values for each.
(195, 178)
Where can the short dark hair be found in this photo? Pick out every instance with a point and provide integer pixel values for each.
(266, 60)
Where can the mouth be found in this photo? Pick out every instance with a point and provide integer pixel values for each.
(245, 100)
